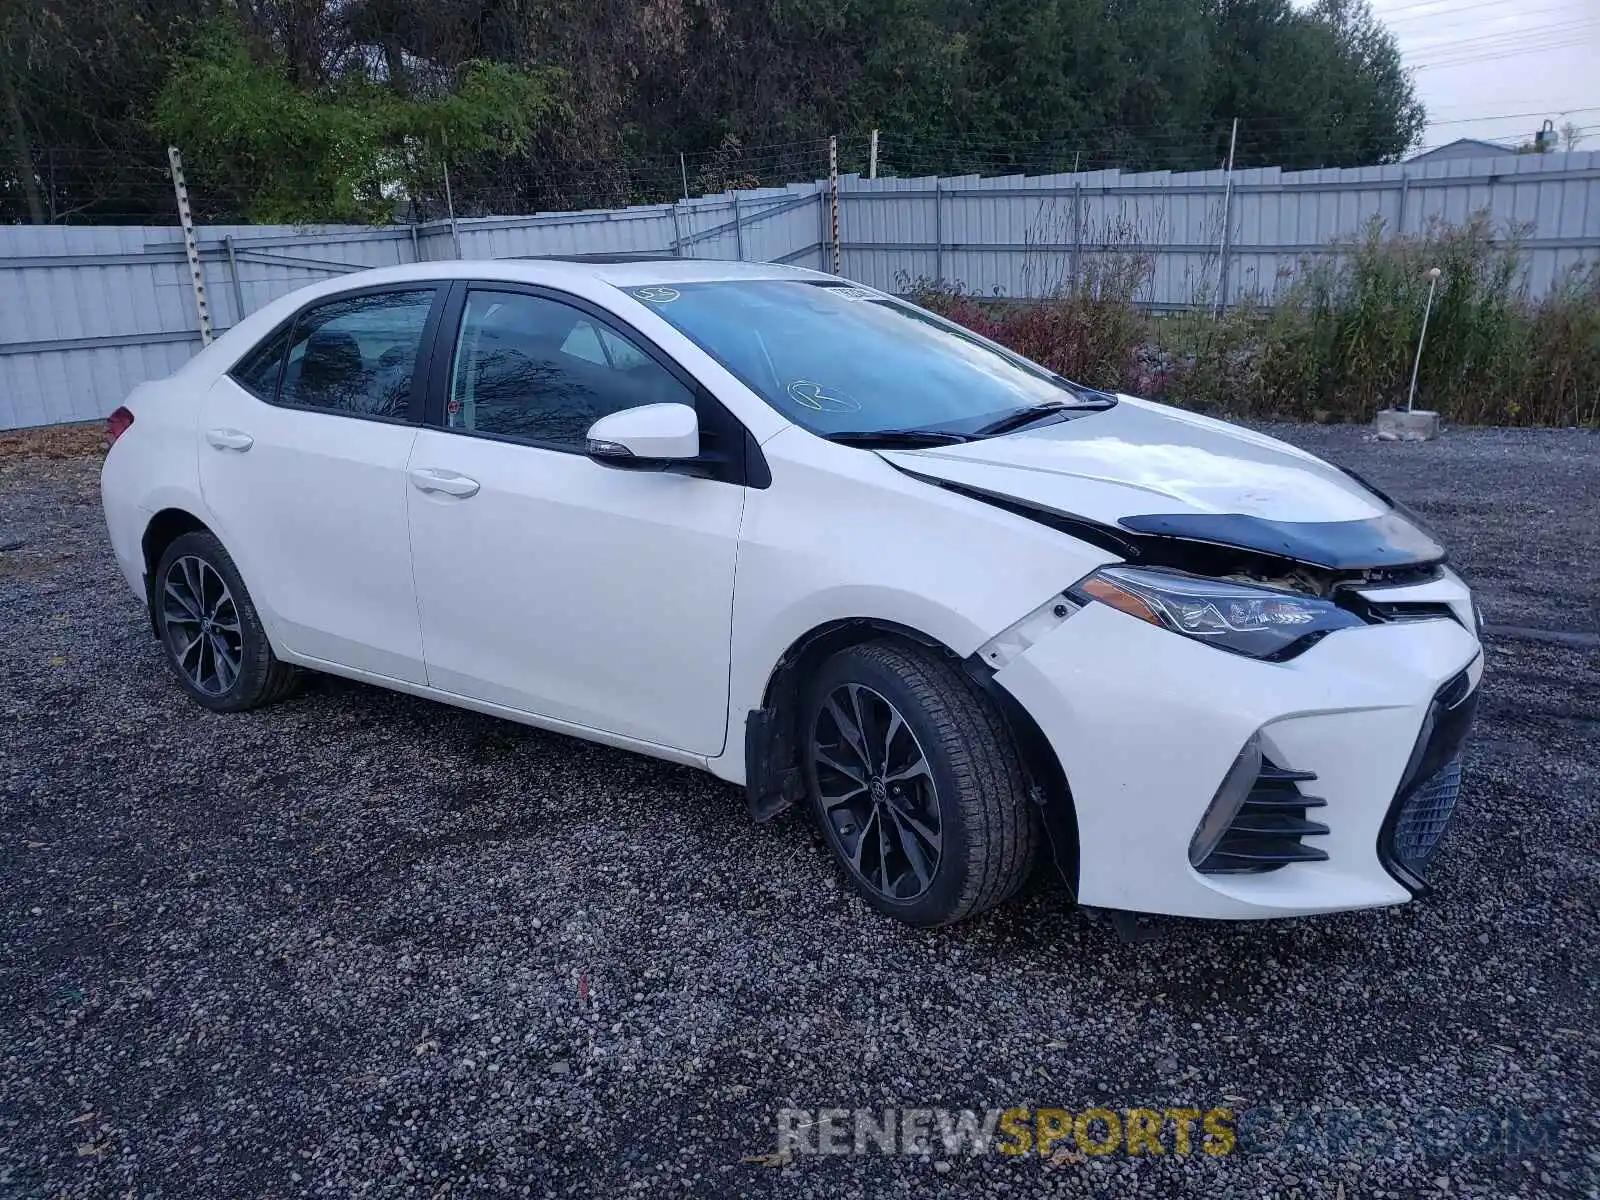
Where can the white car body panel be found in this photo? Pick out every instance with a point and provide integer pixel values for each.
(317, 506)
(157, 470)
(939, 564)
(1144, 458)
(565, 588)
(649, 610)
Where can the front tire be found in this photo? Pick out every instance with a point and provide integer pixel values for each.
(208, 625)
(916, 782)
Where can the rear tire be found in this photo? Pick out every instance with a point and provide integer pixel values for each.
(916, 782)
(210, 630)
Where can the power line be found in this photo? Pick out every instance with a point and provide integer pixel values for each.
(1499, 56)
(1562, 34)
(1451, 10)
(1486, 41)
(1457, 10)
(1548, 112)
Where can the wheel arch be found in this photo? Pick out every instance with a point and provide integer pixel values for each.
(773, 778)
(164, 528)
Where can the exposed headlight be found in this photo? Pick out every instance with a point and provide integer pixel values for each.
(1260, 622)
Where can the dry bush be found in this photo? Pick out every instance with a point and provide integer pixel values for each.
(1337, 341)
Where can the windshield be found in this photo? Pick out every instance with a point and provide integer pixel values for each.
(839, 359)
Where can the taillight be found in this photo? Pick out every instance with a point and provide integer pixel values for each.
(117, 424)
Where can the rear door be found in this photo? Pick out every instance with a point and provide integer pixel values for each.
(549, 583)
(303, 451)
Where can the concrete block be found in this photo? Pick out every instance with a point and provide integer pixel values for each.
(1397, 425)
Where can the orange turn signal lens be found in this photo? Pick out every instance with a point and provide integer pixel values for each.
(1107, 592)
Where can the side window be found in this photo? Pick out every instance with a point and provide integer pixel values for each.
(543, 371)
(257, 373)
(357, 355)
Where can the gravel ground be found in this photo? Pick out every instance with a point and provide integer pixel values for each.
(360, 944)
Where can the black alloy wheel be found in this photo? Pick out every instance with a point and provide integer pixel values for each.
(215, 642)
(916, 782)
(877, 792)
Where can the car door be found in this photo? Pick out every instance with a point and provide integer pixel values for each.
(303, 451)
(547, 582)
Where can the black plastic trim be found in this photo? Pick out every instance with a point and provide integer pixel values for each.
(1388, 612)
(1265, 833)
(1387, 540)
(1197, 556)
(773, 783)
(1442, 738)
(1272, 773)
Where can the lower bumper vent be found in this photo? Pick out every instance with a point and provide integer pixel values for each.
(1430, 786)
(1269, 829)
(1425, 814)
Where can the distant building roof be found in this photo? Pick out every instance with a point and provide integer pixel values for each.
(1464, 148)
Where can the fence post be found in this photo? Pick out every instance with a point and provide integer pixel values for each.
(1077, 232)
(677, 232)
(449, 202)
(683, 172)
(1227, 223)
(833, 192)
(938, 231)
(738, 228)
(191, 246)
(872, 157)
(1400, 220)
(233, 279)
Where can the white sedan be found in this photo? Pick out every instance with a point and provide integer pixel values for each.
(826, 546)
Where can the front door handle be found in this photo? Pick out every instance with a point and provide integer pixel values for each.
(430, 479)
(230, 439)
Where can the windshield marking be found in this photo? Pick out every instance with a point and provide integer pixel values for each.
(820, 399)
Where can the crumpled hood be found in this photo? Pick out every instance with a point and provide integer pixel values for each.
(1142, 458)
(1156, 471)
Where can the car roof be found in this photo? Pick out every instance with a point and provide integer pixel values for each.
(620, 270)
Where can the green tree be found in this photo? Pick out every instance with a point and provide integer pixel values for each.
(350, 147)
(1318, 87)
(316, 108)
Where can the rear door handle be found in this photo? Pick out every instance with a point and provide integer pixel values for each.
(430, 479)
(230, 439)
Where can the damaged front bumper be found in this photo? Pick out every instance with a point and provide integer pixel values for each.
(1147, 725)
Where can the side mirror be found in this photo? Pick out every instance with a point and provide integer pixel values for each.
(650, 437)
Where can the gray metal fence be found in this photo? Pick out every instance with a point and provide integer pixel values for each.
(87, 313)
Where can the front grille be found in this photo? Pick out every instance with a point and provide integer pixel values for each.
(1266, 834)
(1431, 785)
(1388, 612)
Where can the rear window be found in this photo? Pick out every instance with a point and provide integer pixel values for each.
(258, 372)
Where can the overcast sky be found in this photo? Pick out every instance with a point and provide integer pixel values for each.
(1494, 69)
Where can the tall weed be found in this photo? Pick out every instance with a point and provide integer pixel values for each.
(1337, 340)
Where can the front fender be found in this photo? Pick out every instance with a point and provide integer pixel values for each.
(843, 536)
